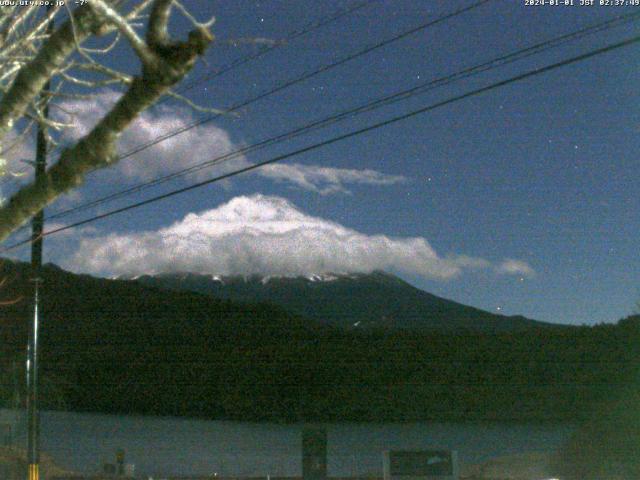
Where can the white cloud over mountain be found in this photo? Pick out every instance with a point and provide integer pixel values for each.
(263, 235)
(196, 145)
(326, 180)
(193, 145)
(511, 266)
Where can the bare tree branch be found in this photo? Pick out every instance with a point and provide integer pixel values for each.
(138, 44)
(158, 33)
(164, 63)
(51, 56)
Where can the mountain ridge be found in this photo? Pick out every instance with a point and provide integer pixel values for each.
(347, 300)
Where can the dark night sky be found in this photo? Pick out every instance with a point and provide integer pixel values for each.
(522, 200)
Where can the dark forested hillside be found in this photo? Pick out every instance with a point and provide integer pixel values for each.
(119, 346)
(364, 301)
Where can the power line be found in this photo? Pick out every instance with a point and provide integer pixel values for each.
(314, 25)
(387, 100)
(303, 77)
(306, 76)
(292, 36)
(315, 146)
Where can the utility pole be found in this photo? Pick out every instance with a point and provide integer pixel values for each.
(37, 224)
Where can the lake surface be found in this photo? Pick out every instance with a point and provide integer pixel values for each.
(173, 446)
